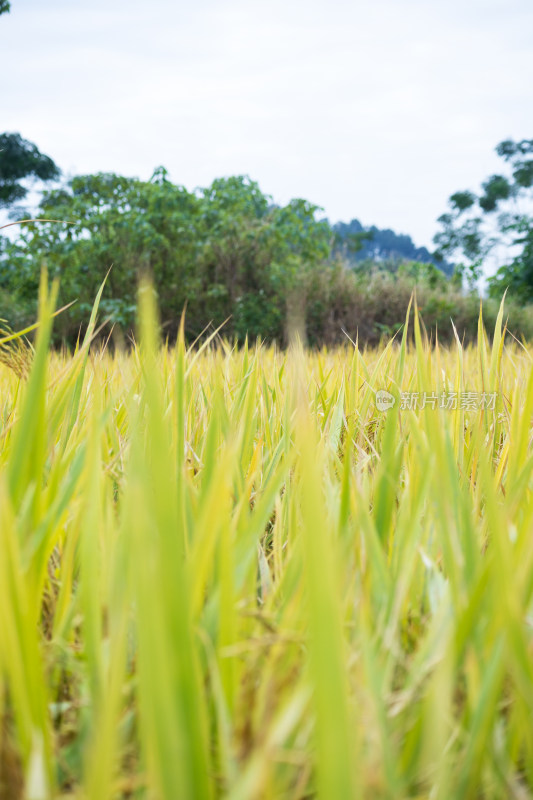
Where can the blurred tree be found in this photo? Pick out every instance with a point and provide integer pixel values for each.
(255, 255)
(224, 251)
(425, 273)
(20, 159)
(499, 217)
(134, 226)
(5, 6)
(358, 244)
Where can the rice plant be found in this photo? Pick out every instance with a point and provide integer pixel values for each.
(251, 573)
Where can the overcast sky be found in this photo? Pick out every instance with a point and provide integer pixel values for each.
(375, 109)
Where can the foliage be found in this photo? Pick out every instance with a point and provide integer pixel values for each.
(19, 160)
(366, 305)
(323, 305)
(228, 255)
(233, 258)
(499, 218)
(226, 573)
(5, 6)
(225, 251)
(358, 244)
(424, 272)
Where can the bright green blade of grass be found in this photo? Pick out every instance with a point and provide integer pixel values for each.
(173, 725)
(337, 768)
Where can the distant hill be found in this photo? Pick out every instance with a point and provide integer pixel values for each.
(358, 243)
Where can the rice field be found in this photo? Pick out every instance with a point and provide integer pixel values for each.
(226, 573)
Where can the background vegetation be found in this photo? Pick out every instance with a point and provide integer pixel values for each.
(233, 257)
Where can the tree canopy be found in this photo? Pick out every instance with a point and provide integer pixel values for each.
(358, 244)
(497, 219)
(19, 160)
(230, 255)
(225, 251)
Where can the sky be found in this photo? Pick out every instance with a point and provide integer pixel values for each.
(372, 109)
